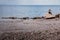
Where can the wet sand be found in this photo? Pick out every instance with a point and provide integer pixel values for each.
(31, 27)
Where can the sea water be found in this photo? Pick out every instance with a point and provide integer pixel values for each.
(27, 10)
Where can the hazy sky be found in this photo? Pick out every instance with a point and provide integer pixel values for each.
(30, 2)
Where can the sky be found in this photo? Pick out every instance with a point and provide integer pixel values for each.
(29, 2)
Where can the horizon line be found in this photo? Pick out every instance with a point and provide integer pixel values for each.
(31, 5)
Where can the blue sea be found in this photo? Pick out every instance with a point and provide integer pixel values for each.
(27, 10)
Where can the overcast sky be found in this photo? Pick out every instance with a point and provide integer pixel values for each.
(30, 2)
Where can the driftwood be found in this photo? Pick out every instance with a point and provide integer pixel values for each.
(37, 18)
(57, 16)
(9, 17)
(25, 18)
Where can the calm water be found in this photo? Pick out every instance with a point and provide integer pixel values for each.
(27, 10)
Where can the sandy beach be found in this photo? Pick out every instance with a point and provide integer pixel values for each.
(30, 28)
